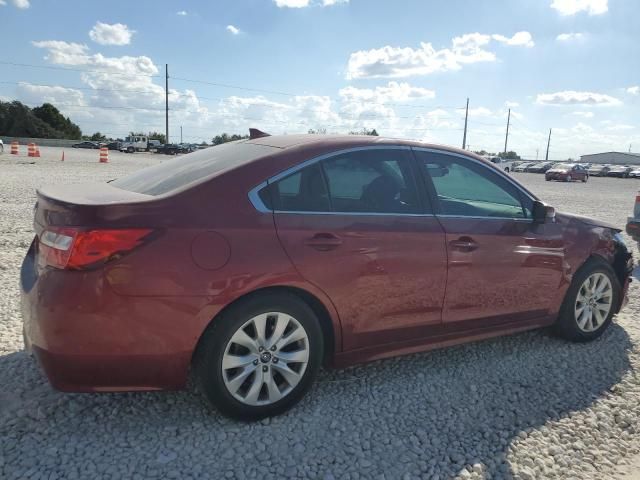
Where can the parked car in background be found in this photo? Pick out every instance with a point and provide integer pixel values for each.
(635, 172)
(113, 145)
(567, 172)
(169, 149)
(598, 170)
(504, 164)
(153, 145)
(621, 171)
(86, 144)
(541, 167)
(368, 248)
(523, 167)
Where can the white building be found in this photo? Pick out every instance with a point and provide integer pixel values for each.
(617, 158)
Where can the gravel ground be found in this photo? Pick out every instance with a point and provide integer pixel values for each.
(524, 406)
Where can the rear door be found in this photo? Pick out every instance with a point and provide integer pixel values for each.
(354, 225)
(502, 267)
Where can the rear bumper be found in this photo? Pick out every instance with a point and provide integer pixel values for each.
(88, 338)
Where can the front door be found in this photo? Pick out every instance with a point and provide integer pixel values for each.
(354, 225)
(502, 266)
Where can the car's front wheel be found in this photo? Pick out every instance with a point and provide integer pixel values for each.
(590, 302)
(260, 357)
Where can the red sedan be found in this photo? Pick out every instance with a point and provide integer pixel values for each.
(567, 172)
(254, 262)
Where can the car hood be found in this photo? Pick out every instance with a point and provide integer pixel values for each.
(587, 221)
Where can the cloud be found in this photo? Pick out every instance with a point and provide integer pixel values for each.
(233, 30)
(519, 39)
(583, 114)
(395, 62)
(634, 90)
(392, 92)
(182, 13)
(620, 127)
(510, 104)
(571, 7)
(115, 34)
(569, 37)
(16, 3)
(571, 97)
(32, 93)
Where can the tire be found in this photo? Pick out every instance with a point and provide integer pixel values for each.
(217, 351)
(585, 179)
(130, 150)
(569, 178)
(567, 325)
(506, 169)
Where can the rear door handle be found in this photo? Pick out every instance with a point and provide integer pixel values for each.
(323, 241)
(464, 244)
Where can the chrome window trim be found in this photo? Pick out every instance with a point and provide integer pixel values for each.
(366, 214)
(257, 203)
(471, 159)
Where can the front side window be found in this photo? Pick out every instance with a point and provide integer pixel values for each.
(465, 188)
(371, 181)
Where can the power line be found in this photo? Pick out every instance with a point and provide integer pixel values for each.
(82, 70)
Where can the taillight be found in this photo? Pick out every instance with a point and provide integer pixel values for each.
(75, 249)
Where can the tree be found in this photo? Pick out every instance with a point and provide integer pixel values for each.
(18, 120)
(511, 155)
(225, 137)
(317, 131)
(364, 131)
(97, 137)
(51, 115)
(161, 137)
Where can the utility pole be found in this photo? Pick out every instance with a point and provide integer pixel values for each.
(180, 133)
(466, 116)
(546, 158)
(537, 154)
(166, 102)
(506, 138)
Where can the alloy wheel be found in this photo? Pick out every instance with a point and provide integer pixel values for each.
(593, 302)
(265, 358)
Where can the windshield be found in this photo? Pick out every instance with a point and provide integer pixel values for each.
(192, 168)
(563, 166)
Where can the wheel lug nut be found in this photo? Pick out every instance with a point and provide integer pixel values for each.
(265, 368)
(275, 360)
(261, 349)
(273, 349)
(255, 362)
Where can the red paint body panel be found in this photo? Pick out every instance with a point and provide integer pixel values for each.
(393, 285)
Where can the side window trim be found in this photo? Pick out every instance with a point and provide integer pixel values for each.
(522, 194)
(254, 193)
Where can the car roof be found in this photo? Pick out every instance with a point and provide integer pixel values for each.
(348, 141)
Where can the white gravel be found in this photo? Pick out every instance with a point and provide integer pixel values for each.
(525, 406)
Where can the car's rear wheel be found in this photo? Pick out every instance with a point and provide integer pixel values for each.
(260, 357)
(568, 179)
(590, 302)
(585, 179)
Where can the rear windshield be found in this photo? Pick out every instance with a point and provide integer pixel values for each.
(178, 172)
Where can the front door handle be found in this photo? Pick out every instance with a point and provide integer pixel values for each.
(464, 244)
(323, 241)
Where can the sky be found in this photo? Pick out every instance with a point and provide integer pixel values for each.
(403, 67)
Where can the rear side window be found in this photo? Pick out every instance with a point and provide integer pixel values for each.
(181, 171)
(302, 191)
(372, 181)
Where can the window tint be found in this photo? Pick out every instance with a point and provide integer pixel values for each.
(302, 191)
(181, 171)
(465, 188)
(371, 181)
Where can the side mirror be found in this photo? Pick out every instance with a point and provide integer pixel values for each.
(542, 213)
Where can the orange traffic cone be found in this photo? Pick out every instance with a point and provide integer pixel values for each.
(104, 155)
(37, 153)
(31, 150)
(14, 148)
(62, 159)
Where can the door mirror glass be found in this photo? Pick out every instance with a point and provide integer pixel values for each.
(543, 213)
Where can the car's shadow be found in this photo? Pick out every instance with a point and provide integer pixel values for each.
(423, 415)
